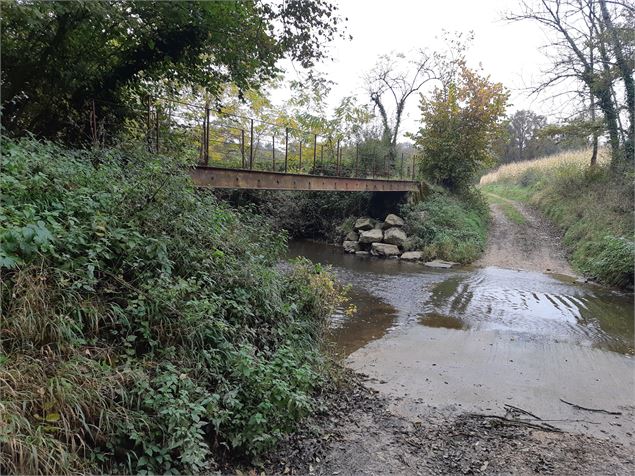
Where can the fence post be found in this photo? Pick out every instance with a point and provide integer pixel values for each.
(374, 160)
(206, 153)
(314, 150)
(93, 123)
(356, 157)
(413, 166)
(251, 145)
(149, 127)
(401, 170)
(337, 158)
(386, 165)
(300, 156)
(273, 152)
(242, 146)
(286, 148)
(322, 157)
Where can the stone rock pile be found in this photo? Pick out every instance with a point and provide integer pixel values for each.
(383, 239)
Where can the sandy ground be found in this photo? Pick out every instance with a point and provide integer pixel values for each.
(531, 246)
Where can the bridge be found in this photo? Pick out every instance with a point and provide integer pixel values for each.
(239, 152)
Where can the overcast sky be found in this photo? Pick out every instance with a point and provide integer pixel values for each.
(509, 52)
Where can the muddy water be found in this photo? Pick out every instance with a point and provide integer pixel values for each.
(476, 339)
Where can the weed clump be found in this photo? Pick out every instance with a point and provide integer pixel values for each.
(145, 325)
(448, 226)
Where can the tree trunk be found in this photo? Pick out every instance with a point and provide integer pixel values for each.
(625, 72)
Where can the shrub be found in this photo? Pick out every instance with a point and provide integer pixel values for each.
(448, 226)
(145, 325)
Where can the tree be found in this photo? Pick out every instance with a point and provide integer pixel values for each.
(398, 79)
(594, 48)
(461, 123)
(59, 56)
(524, 126)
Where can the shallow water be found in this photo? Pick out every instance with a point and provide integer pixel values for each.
(475, 339)
(391, 296)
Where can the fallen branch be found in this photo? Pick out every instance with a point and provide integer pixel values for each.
(520, 410)
(536, 426)
(599, 410)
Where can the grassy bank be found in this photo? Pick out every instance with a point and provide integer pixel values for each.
(593, 207)
(145, 325)
(448, 226)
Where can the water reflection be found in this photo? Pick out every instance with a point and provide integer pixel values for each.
(391, 295)
(536, 306)
(372, 319)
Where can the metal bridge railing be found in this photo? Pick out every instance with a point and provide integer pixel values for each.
(219, 139)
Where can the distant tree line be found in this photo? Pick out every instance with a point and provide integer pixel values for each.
(527, 135)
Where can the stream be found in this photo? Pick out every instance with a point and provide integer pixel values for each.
(475, 339)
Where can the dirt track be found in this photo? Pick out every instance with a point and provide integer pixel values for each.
(532, 246)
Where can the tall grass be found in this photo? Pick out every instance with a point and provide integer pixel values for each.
(593, 206)
(515, 172)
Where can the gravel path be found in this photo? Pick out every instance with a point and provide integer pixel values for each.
(532, 246)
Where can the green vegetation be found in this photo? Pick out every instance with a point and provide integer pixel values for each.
(592, 205)
(510, 211)
(448, 226)
(461, 123)
(145, 325)
(60, 56)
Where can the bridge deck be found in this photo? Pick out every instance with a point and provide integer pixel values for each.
(215, 177)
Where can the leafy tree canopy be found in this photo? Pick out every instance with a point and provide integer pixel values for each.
(462, 121)
(59, 56)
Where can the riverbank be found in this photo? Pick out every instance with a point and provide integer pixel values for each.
(145, 325)
(593, 208)
(361, 433)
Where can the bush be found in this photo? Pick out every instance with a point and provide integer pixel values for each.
(304, 214)
(145, 326)
(448, 226)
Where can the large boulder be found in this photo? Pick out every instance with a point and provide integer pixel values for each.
(350, 246)
(371, 236)
(364, 224)
(384, 250)
(379, 225)
(412, 256)
(394, 220)
(395, 236)
(362, 253)
(351, 236)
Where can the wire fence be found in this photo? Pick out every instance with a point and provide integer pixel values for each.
(219, 139)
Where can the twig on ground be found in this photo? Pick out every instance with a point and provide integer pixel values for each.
(520, 410)
(599, 410)
(537, 426)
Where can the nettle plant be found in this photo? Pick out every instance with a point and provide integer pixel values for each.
(145, 325)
